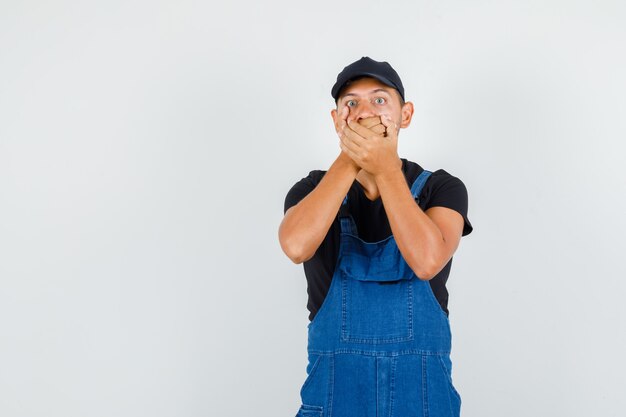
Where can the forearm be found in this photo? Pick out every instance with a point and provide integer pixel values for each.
(306, 224)
(418, 238)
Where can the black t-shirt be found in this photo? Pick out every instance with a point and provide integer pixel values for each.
(441, 190)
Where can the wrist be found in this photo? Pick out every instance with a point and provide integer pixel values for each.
(343, 160)
(390, 174)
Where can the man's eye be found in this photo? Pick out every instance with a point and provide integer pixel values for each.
(350, 103)
(379, 100)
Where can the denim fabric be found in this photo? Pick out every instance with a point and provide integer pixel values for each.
(380, 344)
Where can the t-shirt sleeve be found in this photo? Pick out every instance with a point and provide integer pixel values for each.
(302, 188)
(450, 192)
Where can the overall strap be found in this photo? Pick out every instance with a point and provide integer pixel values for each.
(419, 183)
(345, 219)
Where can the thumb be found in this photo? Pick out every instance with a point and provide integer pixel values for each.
(342, 116)
(344, 113)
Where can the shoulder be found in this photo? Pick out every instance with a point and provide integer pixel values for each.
(302, 188)
(444, 182)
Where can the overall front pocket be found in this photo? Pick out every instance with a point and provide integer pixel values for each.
(376, 311)
(377, 292)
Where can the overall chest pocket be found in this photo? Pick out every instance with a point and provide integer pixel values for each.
(377, 294)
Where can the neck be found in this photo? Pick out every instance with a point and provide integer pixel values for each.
(368, 182)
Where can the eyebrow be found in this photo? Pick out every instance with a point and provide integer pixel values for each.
(378, 90)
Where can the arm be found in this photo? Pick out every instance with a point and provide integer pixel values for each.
(306, 224)
(427, 240)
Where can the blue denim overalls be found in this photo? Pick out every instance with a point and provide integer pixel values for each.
(379, 345)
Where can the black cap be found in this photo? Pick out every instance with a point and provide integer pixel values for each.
(367, 67)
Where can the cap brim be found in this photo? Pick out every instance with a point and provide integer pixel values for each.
(338, 87)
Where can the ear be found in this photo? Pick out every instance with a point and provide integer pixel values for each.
(407, 114)
(335, 115)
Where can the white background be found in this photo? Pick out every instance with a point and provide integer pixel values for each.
(146, 148)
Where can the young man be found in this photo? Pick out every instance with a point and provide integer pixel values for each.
(376, 234)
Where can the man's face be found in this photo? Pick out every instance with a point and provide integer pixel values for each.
(367, 97)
